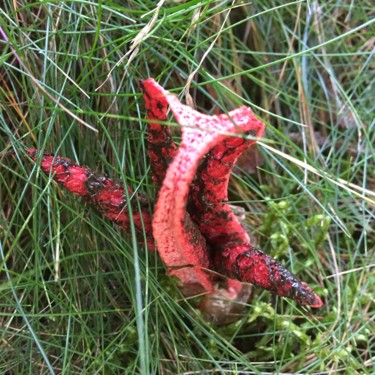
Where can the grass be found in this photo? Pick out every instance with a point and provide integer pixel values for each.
(79, 296)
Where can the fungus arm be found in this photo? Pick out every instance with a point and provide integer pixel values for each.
(103, 193)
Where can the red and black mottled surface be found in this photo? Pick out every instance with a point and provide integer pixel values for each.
(106, 195)
(193, 227)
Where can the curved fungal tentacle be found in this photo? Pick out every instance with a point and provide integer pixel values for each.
(103, 193)
(179, 242)
(209, 194)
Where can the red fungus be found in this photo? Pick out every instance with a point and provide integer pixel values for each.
(194, 228)
(106, 195)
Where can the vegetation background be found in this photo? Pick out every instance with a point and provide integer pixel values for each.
(77, 296)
